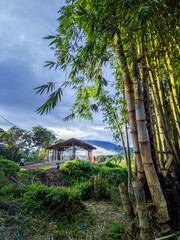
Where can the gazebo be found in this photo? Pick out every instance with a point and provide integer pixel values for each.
(71, 145)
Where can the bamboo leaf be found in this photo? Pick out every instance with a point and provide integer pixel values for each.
(51, 102)
(49, 37)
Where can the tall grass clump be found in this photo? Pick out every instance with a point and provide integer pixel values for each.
(56, 201)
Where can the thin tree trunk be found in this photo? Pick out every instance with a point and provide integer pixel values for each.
(12, 156)
(151, 175)
(128, 160)
(122, 140)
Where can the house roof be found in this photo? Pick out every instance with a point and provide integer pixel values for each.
(69, 143)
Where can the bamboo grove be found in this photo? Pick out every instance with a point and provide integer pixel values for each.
(138, 42)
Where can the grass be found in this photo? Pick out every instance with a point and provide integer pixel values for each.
(78, 192)
(95, 222)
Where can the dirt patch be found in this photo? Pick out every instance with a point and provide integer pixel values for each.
(51, 177)
(105, 214)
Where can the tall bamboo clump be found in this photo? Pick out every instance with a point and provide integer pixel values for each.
(149, 168)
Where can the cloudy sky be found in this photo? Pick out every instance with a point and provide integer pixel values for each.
(23, 24)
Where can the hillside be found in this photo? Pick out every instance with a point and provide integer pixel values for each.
(107, 146)
(78, 201)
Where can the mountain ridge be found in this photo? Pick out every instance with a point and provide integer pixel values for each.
(108, 146)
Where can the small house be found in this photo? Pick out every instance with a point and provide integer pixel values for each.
(69, 150)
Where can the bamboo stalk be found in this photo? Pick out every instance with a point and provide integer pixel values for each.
(173, 100)
(161, 109)
(160, 129)
(172, 79)
(162, 121)
(128, 160)
(159, 146)
(168, 165)
(130, 106)
(144, 224)
(126, 201)
(122, 140)
(149, 121)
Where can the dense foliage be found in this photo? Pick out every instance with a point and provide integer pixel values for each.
(85, 181)
(53, 200)
(9, 168)
(17, 143)
(41, 137)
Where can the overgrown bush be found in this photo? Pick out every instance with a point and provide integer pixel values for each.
(85, 190)
(95, 188)
(110, 164)
(9, 168)
(54, 200)
(100, 187)
(79, 170)
(97, 182)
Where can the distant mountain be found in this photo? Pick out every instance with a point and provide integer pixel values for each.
(109, 148)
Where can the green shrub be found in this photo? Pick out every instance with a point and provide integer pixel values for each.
(85, 190)
(55, 200)
(109, 164)
(114, 175)
(79, 170)
(95, 188)
(95, 182)
(9, 168)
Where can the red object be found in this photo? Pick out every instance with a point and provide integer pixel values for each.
(94, 159)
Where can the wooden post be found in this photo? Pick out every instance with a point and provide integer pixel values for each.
(144, 225)
(58, 155)
(89, 155)
(74, 152)
(53, 155)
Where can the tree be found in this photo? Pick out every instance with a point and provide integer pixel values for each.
(42, 138)
(58, 140)
(16, 139)
(1, 131)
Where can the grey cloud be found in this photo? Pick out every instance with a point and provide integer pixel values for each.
(23, 53)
